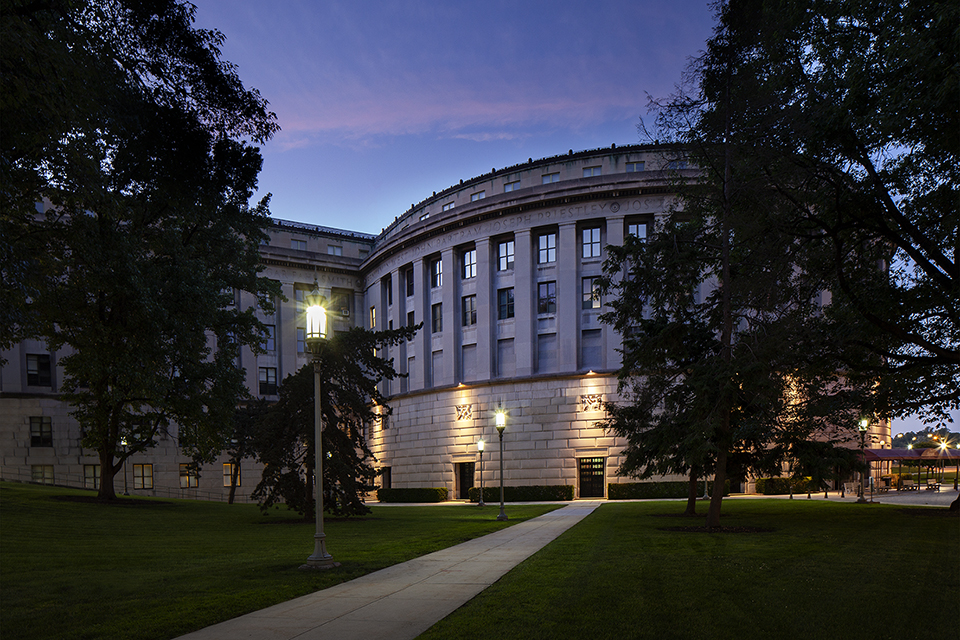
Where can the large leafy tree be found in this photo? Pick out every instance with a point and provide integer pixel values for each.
(351, 367)
(125, 226)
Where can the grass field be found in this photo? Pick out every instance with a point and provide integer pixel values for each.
(821, 570)
(73, 568)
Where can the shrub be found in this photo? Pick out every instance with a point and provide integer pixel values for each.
(413, 494)
(653, 490)
(531, 493)
(781, 486)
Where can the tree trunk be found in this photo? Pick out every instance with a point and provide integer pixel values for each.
(716, 496)
(692, 494)
(234, 472)
(107, 472)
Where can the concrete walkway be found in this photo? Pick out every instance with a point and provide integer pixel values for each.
(406, 599)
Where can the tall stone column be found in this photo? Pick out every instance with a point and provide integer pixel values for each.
(486, 310)
(568, 297)
(611, 339)
(421, 344)
(451, 356)
(524, 298)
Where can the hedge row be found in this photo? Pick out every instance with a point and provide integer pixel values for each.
(415, 494)
(781, 486)
(534, 493)
(648, 490)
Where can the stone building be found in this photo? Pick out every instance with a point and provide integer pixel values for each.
(500, 269)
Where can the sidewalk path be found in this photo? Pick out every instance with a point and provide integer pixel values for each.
(406, 599)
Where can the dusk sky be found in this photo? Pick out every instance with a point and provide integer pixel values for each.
(382, 103)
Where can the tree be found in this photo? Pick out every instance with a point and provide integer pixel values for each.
(350, 371)
(125, 224)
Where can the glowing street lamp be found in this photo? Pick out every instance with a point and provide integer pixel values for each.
(480, 449)
(316, 335)
(501, 422)
(863, 426)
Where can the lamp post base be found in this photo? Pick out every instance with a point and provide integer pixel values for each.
(320, 558)
(502, 516)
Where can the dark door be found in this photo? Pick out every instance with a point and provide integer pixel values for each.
(591, 477)
(465, 472)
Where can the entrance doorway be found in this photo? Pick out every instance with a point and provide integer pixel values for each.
(591, 477)
(465, 473)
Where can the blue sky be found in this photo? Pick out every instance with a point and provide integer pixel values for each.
(382, 103)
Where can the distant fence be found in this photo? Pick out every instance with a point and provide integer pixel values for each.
(76, 481)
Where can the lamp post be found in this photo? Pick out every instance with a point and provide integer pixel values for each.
(123, 442)
(862, 427)
(480, 449)
(316, 335)
(501, 425)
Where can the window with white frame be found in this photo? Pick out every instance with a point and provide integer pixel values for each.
(547, 297)
(41, 473)
(591, 242)
(299, 245)
(436, 317)
(505, 303)
(547, 243)
(633, 167)
(229, 469)
(91, 476)
(269, 342)
(591, 293)
(447, 206)
(549, 178)
(143, 476)
(301, 340)
(677, 165)
(334, 250)
(477, 196)
(41, 431)
(591, 171)
(268, 381)
(436, 273)
(38, 370)
(469, 310)
(505, 255)
(469, 264)
(373, 317)
(189, 476)
(637, 230)
(511, 186)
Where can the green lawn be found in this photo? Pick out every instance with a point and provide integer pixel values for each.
(829, 570)
(159, 568)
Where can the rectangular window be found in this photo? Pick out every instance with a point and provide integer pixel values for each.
(547, 297)
(591, 349)
(269, 337)
(301, 340)
(637, 230)
(436, 317)
(388, 283)
(591, 293)
(143, 476)
(41, 473)
(228, 470)
(447, 206)
(411, 321)
(677, 165)
(334, 250)
(436, 273)
(505, 303)
(268, 381)
(477, 196)
(505, 255)
(424, 217)
(373, 317)
(469, 310)
(469, 264)
(299, 295)
(591, 243)
(506, 358)
(300, 245)
(189, 476)
(549, 178)
(547, 353)
(91, 476)
(548, 248)
(591, 171)
(41, 431)
(38, 370)
(634, 167)
(511, 186)
(408, 276)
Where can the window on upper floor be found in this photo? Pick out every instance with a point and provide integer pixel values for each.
(468, 307)
(547, 243)
(505, 303)
(268, 381)
(373, 317)
(591, 242)
(637, 230)
(301, 340)
(38, 370)
(334, 250)
(41, 431)
(388, 285)
(436, 273)
(436, 318)
(591, 293)
(634, 166)
(300, 245)
(591, 171)
(477, 196)
(408, 278)
(469, 264)
(677, 165)
(505, 255)
(511, 186)
(548, 178)
(447, 206)
(547, 297)
(269, 342)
